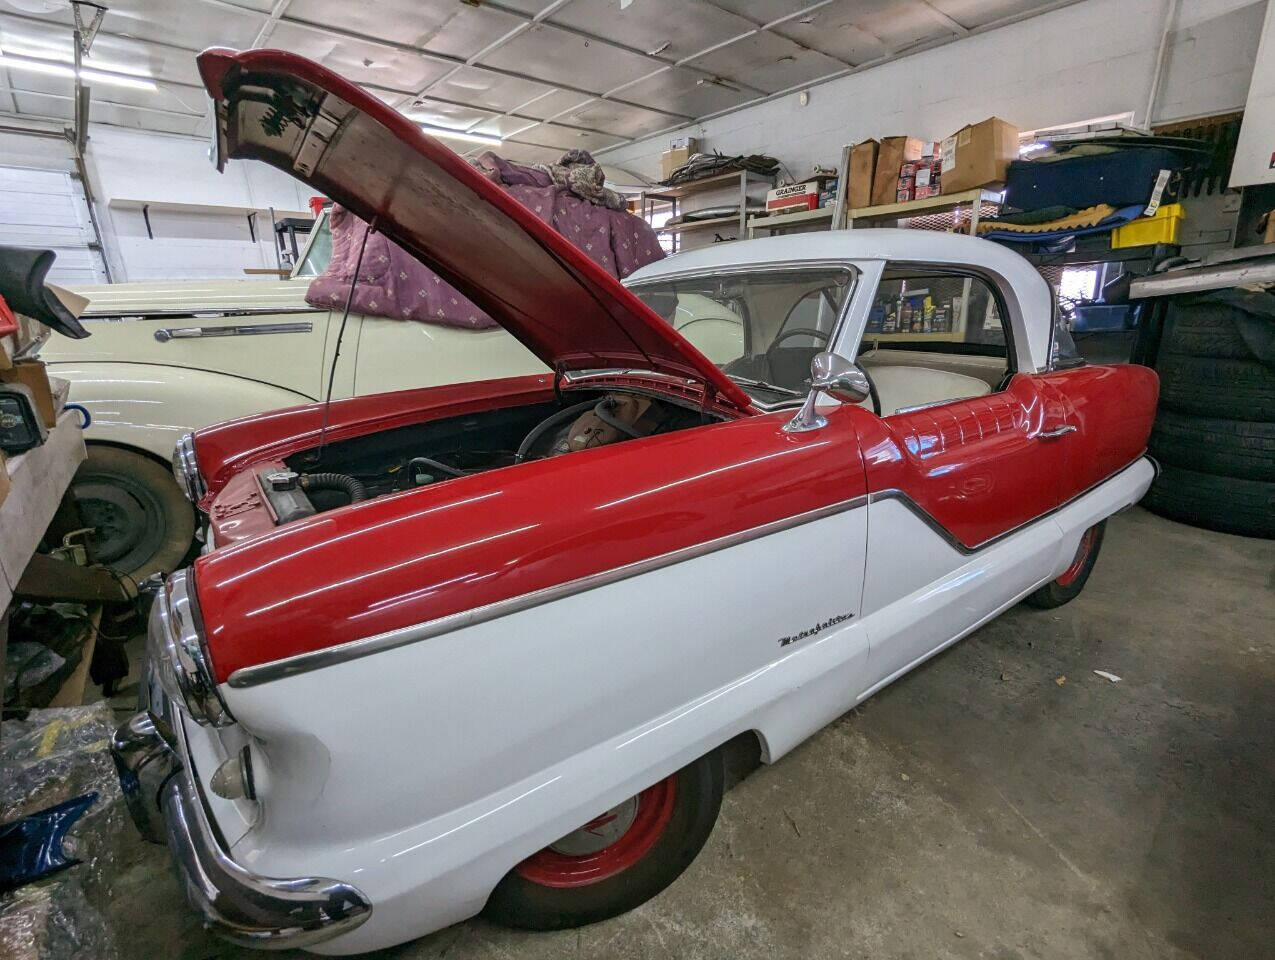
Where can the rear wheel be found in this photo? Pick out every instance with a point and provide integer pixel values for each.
(1070, 582)
(142, 523)
(618, 860)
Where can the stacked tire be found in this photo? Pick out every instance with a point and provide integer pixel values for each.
(1214, 433)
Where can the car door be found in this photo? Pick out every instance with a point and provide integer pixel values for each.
(952, 478)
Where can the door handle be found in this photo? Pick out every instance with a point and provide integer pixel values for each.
(1053, 434)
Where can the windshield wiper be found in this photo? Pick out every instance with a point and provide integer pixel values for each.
(762, 384)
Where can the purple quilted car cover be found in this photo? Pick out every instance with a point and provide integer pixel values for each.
(568, 196)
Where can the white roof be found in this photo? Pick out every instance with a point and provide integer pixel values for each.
(1027, 297)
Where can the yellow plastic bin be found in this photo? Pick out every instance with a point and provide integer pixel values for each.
(1163, 226)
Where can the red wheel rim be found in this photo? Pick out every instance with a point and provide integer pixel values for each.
(1082, 554)
(551, 868)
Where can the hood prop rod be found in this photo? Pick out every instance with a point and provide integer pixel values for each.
(340, 334)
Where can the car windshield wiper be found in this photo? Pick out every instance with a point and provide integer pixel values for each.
(763, 385)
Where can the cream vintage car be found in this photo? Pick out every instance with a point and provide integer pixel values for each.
(167, 358)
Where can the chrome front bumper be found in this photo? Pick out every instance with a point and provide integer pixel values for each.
(164, 798)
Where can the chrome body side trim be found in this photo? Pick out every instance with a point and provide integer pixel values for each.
(318, 659)
(929, 520)
(175, 646)
(183, 313)
(167, 803)
(165, 334)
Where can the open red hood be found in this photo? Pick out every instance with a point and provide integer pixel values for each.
(306, 120)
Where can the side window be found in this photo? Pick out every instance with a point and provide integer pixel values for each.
(933, 337)
(928, 310)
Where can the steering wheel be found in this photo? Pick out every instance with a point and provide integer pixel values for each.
(798, 332)
(783, 368)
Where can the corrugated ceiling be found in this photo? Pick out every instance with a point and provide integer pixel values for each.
(545, 75)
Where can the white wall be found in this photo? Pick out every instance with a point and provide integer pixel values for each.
(1087, 60)
(198, 217)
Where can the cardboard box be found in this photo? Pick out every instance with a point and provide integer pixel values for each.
(925, 192)
(979, 155)
(32, 375)
(1269, 236)
(680, 152)
(795, 196)
(863, 165)
(891, 155)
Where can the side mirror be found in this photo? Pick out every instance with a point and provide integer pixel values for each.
(835, 376)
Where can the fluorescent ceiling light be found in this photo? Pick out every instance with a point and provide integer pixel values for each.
(54, 69)
(1027, 149)
(436, 131)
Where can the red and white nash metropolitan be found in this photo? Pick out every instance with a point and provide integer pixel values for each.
(477, 648)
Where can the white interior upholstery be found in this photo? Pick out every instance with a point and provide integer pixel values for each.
(907, 386)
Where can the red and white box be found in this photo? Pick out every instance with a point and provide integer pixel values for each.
(796, 196)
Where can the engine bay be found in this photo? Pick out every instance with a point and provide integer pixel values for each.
(404, 458)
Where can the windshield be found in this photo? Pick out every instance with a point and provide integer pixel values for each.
(762, 328)
(318, 250)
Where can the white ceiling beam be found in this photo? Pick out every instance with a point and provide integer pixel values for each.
(279, 8)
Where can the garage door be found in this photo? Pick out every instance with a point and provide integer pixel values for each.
(46, 208)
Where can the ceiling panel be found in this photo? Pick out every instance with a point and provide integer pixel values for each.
(977, 13)
(682, 91)
(447, 114)
(521, 152)
(554, 105)
(502, 126)
(565, 138)
(838, 30)
(903, 25)
(485, 89)
(768, 61)
(357, 60)
(675, 27)
(619, 119)
(558, 57)
(187, 24)
(442, 26)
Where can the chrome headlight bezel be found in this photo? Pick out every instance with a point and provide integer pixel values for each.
(179, 655)
(186, 469)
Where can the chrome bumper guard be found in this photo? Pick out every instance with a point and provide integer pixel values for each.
(242, 907)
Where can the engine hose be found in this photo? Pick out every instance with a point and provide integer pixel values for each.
(344, 483)
(549, 423)
(435, 465)
(601, 412)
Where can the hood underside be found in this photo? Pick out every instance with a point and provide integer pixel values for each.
(305, 120)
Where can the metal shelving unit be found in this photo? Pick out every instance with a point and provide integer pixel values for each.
(804, 218)
(944, 208)
(743, 179)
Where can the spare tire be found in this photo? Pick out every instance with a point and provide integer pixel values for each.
(1228, 448)
(1228, 504)
(1204, 330)
(1210, 387)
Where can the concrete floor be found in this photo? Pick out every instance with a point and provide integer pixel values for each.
(1001, 801)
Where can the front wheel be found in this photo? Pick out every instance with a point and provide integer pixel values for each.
(1070, 582)
(619, 859)
(142, 522)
